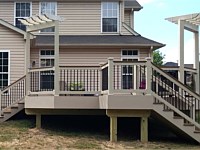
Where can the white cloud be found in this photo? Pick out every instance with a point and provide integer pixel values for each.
(172, 54)
(142, 2)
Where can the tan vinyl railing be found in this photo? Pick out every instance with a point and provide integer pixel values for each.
(80, 80)
(175, 96)
(13, 93)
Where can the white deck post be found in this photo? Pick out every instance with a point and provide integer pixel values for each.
(148, 75)
(196, 64)
(27, 65)
(181, 51)
(110, 75)
(56, 49)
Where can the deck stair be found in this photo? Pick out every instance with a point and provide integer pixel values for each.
(176, 103)
(12, 99)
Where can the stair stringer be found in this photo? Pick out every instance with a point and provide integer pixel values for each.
(179, 123)
(9, 112)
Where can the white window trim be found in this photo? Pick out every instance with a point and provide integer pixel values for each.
(48, 2)
(15, 10)
(41, 13)
(8, 64)
(44, 56)
(118, 16)
(132, 56)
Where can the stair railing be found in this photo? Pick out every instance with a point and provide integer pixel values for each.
(13, 93)
(175, 95)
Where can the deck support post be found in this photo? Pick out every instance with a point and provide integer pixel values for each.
(110, 75)
(38, 121)
(56, 51)
(113, 128)
(144, 129)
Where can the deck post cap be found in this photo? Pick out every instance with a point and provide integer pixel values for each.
(110, 58)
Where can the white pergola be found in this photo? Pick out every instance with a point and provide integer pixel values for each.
(36, 23)
(191, 23)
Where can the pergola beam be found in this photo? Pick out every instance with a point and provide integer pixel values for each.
(40, 26)
(191, 27)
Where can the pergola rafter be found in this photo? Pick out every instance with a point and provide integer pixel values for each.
(36, 23)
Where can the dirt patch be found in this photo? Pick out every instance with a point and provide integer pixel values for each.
(22, 135)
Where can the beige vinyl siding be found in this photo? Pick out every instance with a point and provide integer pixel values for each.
(127, 14)
(81, 18)
(144, 53)
(14, 42)
(87, 56)
(35, 8)
(7, 11)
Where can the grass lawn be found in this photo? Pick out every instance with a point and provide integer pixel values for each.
(21, 134)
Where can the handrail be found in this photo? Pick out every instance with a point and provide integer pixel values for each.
(14, 83)
(129, 63)
(197, 96)
(78, 66)
(41, 69)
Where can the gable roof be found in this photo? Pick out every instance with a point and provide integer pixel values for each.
(98, 40)
(132, 4)
(12, 27)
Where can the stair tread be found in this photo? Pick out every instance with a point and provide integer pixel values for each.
(21, 102)
(15, 106)
(188, 124)
(158, 103)
(196, 131)
(177, 117)
(168, 110)
(8, 110)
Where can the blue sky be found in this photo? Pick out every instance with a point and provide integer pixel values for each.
(150, 22)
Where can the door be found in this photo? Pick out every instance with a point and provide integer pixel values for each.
(46, 77)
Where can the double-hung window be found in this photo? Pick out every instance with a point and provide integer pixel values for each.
(48, 8)
(22, 10)
(4, 69)
(110, 16)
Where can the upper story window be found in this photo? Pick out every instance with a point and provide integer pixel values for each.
(110, 16)
(22, 10)
(49, 8)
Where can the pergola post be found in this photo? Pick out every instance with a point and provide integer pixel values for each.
(56, 52)
(181, 51)
(27, 63)
(196, 63)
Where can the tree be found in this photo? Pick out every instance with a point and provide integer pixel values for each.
(158, 58)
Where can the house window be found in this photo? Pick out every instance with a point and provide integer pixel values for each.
(4, 69)
(47, 77)
(127, 70)
(109, 17)
(49, 8)
(22, 10)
